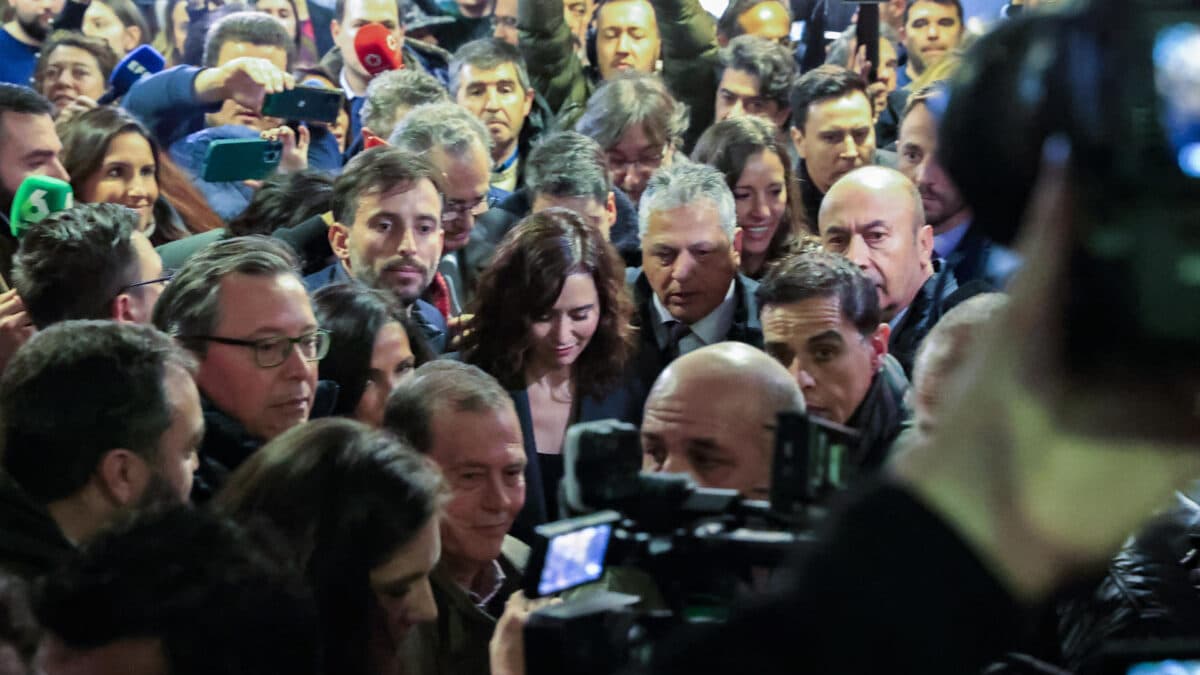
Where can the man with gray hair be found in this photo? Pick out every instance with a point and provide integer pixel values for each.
(465, 421)
(459, 147)
(240, 307)
(488, 78)
(640, 126)
(689, 292)
(712, 415)
(874, 217)
(392, 95)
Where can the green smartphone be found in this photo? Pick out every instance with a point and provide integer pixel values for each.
(234, 159)
(314, 104)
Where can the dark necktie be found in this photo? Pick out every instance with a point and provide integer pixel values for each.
(676, 332)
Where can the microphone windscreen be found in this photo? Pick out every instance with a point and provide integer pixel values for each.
(38, 197)
(376, 48)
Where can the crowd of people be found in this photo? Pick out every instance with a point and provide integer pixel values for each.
(309, 423)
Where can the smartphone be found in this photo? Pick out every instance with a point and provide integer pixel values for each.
(569, 553)
(314, 104)
(234, 159)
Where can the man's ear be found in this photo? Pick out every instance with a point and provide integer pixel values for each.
(736, 251)
(925, 242)
(122, 309)
(123, 476)
(879, 345)
(610, 209)
(339, 241)
(798, 141)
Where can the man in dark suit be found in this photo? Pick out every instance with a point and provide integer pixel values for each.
(688, 292)
(969, 254)
(387, 231)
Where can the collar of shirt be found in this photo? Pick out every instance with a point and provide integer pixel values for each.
(345, 85)
(710, 330)
(946, 242)
(490, 581)
(896, 319)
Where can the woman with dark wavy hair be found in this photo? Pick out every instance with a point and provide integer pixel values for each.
(358, 510)
(112, 158)
(373, 348)
(766, 195)
(550, 321)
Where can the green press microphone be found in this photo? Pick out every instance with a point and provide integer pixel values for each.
(36, 198)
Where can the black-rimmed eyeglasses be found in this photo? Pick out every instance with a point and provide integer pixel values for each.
(273, 351)
(167, 276)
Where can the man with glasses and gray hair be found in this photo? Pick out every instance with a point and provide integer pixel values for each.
(460, 148)
(638, 124)
(689, 292)
(240, 307)
(88, 262)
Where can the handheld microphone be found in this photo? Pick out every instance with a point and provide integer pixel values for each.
(376, 49)
(137, 64)
(36, 198)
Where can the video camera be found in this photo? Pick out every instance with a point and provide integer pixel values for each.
(688, 550)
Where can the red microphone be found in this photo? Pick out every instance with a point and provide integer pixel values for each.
(376, 49)
(370, 140)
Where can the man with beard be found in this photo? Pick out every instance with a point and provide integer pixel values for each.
(23, 36)
(98, 418)
(387, 231)
(968, 253)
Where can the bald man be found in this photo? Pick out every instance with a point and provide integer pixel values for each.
(874, 217)
(711, 414)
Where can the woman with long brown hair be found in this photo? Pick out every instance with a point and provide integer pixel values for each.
(550, 321)
(111, 157)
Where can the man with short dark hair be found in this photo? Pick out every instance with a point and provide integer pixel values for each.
(968, 253)
(88, 262)
(459, 146)
(239, 306)
(756, 79)
(931, 29)
(247, 56)
(821, 320)
(833, 130)
(387, 232)
(488, 77)
(21, 38)
(874, 217)
(96, 418)
(177, 591)
(28, 145)
(465, 421)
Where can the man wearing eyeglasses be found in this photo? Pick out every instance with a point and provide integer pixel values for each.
(459, 147)
(240, 307)
(88, 262)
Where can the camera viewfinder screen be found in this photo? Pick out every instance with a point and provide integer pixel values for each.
(1167, 667)
(574, 558)
(1177, 80)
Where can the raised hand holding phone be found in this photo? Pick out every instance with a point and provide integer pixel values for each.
(246, 80)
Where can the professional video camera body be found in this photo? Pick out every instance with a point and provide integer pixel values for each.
(690, 549)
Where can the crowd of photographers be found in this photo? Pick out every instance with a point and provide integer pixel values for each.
(309, 422)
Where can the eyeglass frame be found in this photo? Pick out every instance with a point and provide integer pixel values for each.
(459, 210)
(167, 277)
(650, 165)
(293, 344)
